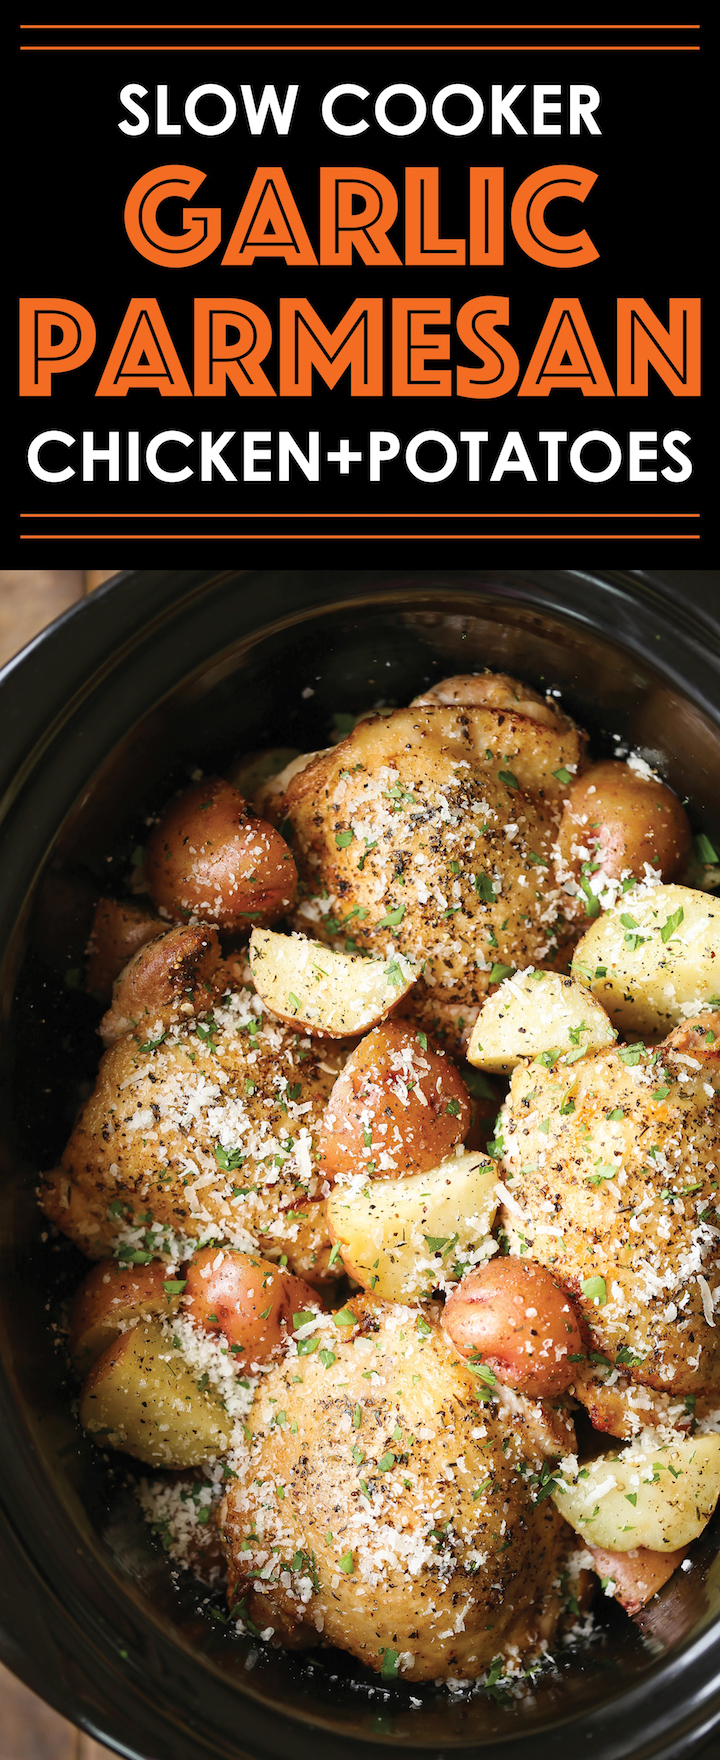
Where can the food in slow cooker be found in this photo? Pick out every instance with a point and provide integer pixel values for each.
(354, 1331)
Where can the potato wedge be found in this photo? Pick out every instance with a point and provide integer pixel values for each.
(400, 1238)
(534, 1012)
(110, 1297)
(333, 994)
(660, 1497)
(654, 959)
(142, 1398)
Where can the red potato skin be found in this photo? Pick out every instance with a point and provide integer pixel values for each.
(120, 928)
(210, 857)
(370, 1099)
(638, 1574)
(172, 976)
(629, 820)
(512, 1316)
(111, 1289)
(249, 1300)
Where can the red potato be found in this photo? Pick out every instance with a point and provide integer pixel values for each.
(210, 857)
(398, 1107)
(110, 1296)
(638, 1574)
(623, 821)
(249, 1300)
(119, 929)
(171, 977)
(512, 1316)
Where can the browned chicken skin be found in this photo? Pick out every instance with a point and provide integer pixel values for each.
(613, 1174)
(382, 1507)
(432, 829)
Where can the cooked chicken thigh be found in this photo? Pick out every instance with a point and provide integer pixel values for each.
(381, 1505)
(203, 1129)
(611, 1172)
(430, 829)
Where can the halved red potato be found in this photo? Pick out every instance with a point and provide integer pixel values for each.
(398, 1107)
(119, 928)
(535, 1012)
(210, 857)
(112, 1295)
(142, 1398)
(620, 820)
(171, 977)
(512, 1317)
(334, 995)
(251, 1301)
(637, 1575)
(400, 1239)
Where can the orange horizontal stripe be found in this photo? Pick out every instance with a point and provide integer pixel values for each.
(354, 537)
(575, 26)
(366, 48)
(333, 515)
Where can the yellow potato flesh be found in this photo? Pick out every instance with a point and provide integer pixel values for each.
(646, 984)
(337, 994)
(102, 1331)
(535, 1012)
(388, 1230)
(142, 1398)
(660, 1497)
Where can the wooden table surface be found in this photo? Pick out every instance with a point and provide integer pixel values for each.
(29, 1730)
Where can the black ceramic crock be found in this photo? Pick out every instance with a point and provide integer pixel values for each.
(101, 717)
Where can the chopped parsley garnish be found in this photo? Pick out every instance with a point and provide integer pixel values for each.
(484, 888)
(547, 1058)
(563, 776)
(228, 1159)
(392, 919)
(343, 838)
(628, 1356)
(630, 1055)
(592, 902)
(595, 1290)
(394, 974)
(673, 922)
(508, 777)
(499, 973)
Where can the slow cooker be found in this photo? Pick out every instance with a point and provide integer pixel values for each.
(102, 716)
